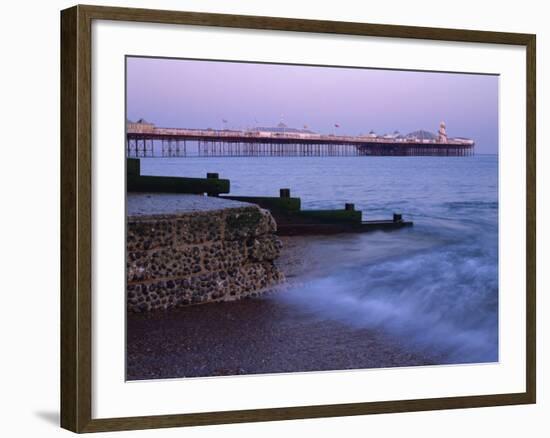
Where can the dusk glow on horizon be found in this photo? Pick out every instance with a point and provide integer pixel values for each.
(345, 101)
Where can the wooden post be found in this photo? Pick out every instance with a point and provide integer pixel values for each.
(212, 176)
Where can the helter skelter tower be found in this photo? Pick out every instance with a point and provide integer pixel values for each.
(442, 138)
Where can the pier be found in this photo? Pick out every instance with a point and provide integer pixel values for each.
(144, 139)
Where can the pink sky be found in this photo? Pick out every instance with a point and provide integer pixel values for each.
(200, 94)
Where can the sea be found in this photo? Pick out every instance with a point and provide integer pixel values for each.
(434, 285)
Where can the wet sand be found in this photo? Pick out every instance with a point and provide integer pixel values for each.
(256, 336)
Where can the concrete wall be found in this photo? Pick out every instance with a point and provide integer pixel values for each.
(199, 257)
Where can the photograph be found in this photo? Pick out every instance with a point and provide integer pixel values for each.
(295, 218)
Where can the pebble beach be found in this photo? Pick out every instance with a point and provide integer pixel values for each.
(265, 334)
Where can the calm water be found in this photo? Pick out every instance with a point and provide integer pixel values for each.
(434, 285)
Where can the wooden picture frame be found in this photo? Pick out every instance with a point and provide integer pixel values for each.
(76, 217)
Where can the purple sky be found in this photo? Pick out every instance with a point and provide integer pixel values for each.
(199, 94)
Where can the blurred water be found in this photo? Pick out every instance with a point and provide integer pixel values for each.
(434, 285)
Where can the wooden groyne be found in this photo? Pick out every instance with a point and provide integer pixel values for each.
(136, 182)
(291, 219)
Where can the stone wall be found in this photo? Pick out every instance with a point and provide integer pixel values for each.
(195, 257)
